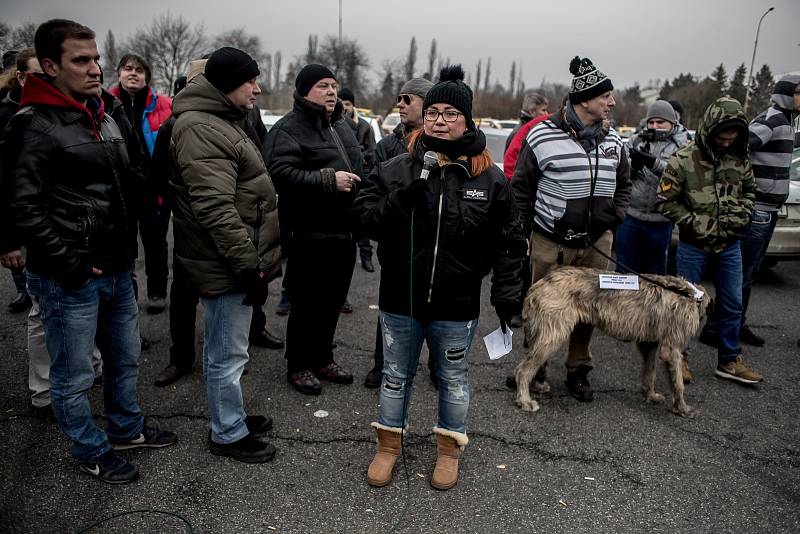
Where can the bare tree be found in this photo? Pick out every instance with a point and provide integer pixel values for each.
(311, 51)
(168, 43)
(239, 38)
(266, 73)
(488, 74)
(432, 59)
(411, 59)
(22, 36)
(477, 77)
(5, 36)
(277, 58)
(512, 79)
(350, 59)
(109, 59)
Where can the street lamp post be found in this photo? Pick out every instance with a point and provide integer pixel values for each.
(753, 61)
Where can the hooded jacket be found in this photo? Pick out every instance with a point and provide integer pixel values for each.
(469, 226)
(771, 143)
(709, 195)
(303, 151)
(644, 181)
(68, 182)
(225, 208)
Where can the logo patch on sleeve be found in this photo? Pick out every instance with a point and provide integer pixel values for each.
(665, 186)
(476, 194)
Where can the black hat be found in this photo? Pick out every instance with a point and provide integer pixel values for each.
(309, 75)
(588, 82)
(229, 67)
(451, 89)
(9, 58)
(347, 94)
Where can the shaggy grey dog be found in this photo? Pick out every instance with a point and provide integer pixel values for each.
(659, 320)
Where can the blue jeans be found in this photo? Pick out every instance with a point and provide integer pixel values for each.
(448, 343)
(693, 263)
(103, 311)
(755, 241)
(225, 343)
(642, 246)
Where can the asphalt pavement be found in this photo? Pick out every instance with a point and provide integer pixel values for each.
(612, 465)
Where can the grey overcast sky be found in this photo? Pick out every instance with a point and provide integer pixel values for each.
(630, 40)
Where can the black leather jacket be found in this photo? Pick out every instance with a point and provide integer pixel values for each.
(469, 227)
(302, 151)
(68, 182)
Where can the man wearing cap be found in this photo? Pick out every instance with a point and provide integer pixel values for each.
(409, 102)
(643, 237)
(226, 235)
(146, 110)
(572, 188)
(315, 159)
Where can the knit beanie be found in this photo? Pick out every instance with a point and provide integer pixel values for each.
(661, 109)
(783, 93)
(310, 75)
(416, 86)
(229, 67)
(588, 82)
(347, 94)
(452, 90)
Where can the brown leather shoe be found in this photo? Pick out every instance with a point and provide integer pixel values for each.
(169, 375)
(333, 372)
(305, 382)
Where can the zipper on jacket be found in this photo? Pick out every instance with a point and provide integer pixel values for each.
(438, 230)
(257, 228)
(340, 146)
(90, 220)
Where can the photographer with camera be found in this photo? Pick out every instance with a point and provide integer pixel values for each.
(643, 237)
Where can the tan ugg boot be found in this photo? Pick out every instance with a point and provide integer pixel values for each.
(449, 446)
(380, 470)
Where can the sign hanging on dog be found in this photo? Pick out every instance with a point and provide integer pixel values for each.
(629, 282)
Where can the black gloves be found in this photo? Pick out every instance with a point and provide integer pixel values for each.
(505, 312)
(256, 287)
(640, 159)
(413, 194)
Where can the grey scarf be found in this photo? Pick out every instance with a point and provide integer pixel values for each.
(587, 136)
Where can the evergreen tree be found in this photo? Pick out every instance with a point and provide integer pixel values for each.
(738, 84)
(762, 93)
(720, 79)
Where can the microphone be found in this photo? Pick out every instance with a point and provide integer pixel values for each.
(429, 161)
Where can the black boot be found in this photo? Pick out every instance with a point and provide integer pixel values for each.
(578, 384)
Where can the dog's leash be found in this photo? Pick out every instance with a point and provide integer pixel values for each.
(697, 294)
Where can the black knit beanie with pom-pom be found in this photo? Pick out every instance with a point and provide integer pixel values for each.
(451, 89)
(588, 82)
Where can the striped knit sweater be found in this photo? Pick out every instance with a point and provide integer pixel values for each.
(771, 142)
(553, 179)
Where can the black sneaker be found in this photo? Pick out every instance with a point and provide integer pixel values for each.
(249, 450)
(111, 469)
(578, 384)
(749, 337)
(150, 436)
(374, 377)
(707, 337)
(258, 424)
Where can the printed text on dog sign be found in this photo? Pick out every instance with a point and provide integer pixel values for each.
(619, 281)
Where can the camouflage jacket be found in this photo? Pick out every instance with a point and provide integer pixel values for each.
(709, 195)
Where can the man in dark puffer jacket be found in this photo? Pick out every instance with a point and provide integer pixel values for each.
(314, 159)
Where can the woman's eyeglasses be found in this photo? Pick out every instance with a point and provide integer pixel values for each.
(450, 115)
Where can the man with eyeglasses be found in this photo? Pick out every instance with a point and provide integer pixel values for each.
(409, 102)
(314, 159)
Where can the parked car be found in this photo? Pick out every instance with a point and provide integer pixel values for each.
(785, 242)
(496, 143)
(390, 123)
(486, 123)
(269, 119)
(373, 124)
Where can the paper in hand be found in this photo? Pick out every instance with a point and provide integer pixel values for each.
(498, 343)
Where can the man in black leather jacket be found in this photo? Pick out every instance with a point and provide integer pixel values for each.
(67, 178)
(314, 160)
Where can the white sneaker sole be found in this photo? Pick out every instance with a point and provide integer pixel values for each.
(728, 376)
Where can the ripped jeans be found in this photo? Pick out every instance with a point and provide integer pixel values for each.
(448, 343)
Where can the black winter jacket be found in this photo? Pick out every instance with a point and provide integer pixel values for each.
(68, 182)
(303, 151)
(365, 138)
(478, 231)
(392, 145)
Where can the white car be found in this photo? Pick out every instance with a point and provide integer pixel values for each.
(785, 242)
(269, 119)
(390, 123)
